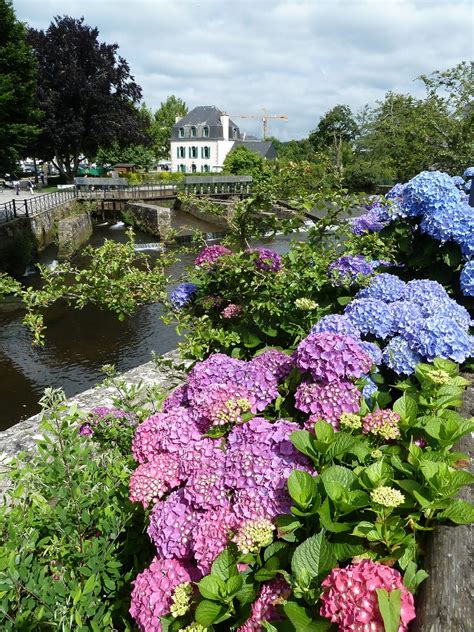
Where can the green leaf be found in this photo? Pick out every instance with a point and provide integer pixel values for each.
(407, 408)
(234, 584)
(89, 585)
(459, 512)
(303, 488)
(389, 606)
(302, 620)
(208, 612)
(304, 442)
(339, 474)
(313, 557)
(250, 340)
(224, 566)
(413, 577)
(324, 432)
(212, 587)
(341, 444)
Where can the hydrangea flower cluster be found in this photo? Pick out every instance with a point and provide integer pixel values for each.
(264, 608)
(368, 222)
(382, 423)
(231, 311)
(209, 254)
(467, 279)
(267, 259)
(105, 415)
(182, 295)
(350, 598)
(206, 491)
(387, 496)
(418, 320)
(351, 268)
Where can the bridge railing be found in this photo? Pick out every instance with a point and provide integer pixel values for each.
(127, 193)
(28, 207)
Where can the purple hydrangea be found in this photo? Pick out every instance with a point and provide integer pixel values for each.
(350, 268)
(384, 287)
(210, 254)
(399, 356)
(331, 357)
(279, 364)
(183, 295)
(368, 222)
(327, 401)
(467, 279)
(266, 259)
(370, 316)
(373, 351)
(211, 534)
(336, 324)
(172, 522)
(176, 399)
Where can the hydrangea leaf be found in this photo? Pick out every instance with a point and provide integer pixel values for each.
(303, 488)
(302, 620)
(224, 566)
(389, 606)
(208, 612)
(407, 408)
(313, 557)
(459, 512)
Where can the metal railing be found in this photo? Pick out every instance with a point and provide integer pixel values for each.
(146, 191)
(29, 207)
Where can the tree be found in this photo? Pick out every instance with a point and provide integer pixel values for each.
(18, 116)
(86, 93)
(335, 132)
(164, 119)
(243, 161)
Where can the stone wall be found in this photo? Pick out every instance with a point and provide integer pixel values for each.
(44, 225)
(152, 219)
(220, 222)
(73, 233)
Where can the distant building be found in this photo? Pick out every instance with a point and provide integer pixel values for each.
(201, 140)
(124, 167)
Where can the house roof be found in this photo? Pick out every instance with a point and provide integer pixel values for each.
(263, 147)
(200, 117)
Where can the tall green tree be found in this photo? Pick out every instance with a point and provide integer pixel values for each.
(86, 92)
(18, 116)
(335, 132)
(243, 161)
(164, 120)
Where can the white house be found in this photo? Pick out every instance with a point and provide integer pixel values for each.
(201, 140)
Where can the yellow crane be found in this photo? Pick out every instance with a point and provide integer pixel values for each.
(264, 118)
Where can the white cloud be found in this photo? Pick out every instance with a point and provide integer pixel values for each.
(295, 57)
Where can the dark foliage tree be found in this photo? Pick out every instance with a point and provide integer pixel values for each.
(335, 132)
(18, 116)
(164, 120)
(86, 92)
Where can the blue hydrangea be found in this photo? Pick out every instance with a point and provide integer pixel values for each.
(406, 315)
(370, 316)
(384, 287)
(469, 173)
(369, 390)
(373, 351)
(350, 268)
(458, 181)
(336, 324)
(441, 337)
(446, 308)
(368, 222)
(467, 279)
(421, 290)
(463, 228)
(467, 186)
(399, 357)
(183, 295)
(431, 192)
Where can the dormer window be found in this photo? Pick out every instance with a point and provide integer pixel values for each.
(181, 132)
(193, 132)
(205, 132)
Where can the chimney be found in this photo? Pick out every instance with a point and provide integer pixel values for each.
(177, 118)
(225, 125)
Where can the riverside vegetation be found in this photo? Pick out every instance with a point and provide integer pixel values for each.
(289, 483)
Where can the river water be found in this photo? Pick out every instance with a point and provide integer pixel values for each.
(79, 343)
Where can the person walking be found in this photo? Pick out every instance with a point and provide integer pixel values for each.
(30, 186)
(16, 184)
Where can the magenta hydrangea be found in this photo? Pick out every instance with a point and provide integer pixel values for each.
(349, 597)
(211, 535)
(327, 401)
(152, 480)
(153, 589)
(264, 608)
(231, 311)
(179, 397)
(210, 254)
(382, 422)
(172, 522)
(266, 259)
(331, 357)
(279, 364)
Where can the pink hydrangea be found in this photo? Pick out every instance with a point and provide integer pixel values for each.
(264, 608)
(260, 502)
(211, 535)
(172, 522)
(210, 254)
(220, 404)
(205, 488)
(350, 599)
(327, 401)
(332, 357)
(383, 423)
(231, 311)
(152, 480)
(106, 415)
(153, 589)
(172, 431)
(276, 362)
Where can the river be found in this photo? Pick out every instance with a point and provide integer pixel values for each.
(79, 343)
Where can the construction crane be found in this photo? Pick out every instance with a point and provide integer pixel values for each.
(264, 118)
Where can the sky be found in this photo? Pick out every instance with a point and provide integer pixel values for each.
(297, 58)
